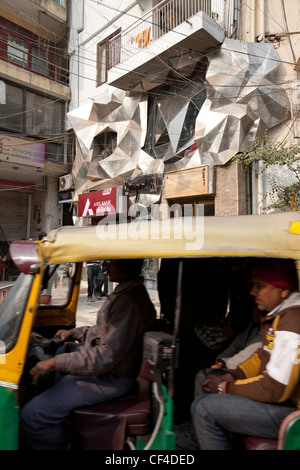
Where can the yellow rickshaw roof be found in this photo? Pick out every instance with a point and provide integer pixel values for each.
(274, 235)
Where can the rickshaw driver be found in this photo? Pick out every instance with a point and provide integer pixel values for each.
(255, 398)
(102, 367)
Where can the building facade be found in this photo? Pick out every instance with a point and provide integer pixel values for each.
(166, 93)
(276, 23)
(34, 97)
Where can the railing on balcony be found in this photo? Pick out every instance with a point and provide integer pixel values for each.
(29, 52)
(156, 23)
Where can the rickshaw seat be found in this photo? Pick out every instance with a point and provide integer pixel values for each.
(105, 425)
(260, 443)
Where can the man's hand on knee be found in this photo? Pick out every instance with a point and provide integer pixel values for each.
(211, 383)
(40, 368)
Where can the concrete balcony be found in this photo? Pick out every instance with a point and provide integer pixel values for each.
(143, 55)
(50, 15)
(33, 43)
(55, 8)
(41, 84)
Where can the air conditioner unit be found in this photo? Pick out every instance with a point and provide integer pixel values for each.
(65, 182)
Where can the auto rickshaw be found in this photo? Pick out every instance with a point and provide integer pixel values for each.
(196, 256)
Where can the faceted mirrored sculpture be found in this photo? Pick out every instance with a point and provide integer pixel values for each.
(243, 100)
(204, 116)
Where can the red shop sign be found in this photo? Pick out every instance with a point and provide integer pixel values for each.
(98, 203)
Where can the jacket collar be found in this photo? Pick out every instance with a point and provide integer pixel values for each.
(293, 300)
(124, 286)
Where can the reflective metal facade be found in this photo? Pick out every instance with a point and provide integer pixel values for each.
(237, 100)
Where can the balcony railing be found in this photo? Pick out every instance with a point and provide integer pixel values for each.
(156, 23)
(34, 55)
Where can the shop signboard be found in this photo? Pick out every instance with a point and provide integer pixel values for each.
(100, 203)
(187, 183)
(21, 151)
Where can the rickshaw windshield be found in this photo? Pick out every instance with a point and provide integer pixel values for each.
(12, 310)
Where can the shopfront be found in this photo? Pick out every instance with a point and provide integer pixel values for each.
(21, 184)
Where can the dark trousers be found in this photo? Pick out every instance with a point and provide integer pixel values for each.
(95, 276)
(105, 284)
(44, 416)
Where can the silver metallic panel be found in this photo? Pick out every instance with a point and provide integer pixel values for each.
(243, 100)
(238, 100)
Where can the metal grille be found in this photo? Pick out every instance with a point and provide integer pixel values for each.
(157, 22)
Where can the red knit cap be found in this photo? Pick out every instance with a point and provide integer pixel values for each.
(280, 273)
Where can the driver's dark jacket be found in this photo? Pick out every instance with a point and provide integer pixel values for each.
(115, 343)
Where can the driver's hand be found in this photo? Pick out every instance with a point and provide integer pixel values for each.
(40, 368)
(64, 334)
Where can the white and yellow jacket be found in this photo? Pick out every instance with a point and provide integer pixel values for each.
(272, 374)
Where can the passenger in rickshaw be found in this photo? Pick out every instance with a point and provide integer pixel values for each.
(243, 346)
(256, 397)
(102, 366)
(201, 305)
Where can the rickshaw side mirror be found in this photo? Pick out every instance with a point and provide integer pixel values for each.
(34, 268)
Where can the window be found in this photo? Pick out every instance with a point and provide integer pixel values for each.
(11, 111)
(173, 142)
(54, 152)
(105, 144)
(59, 282)
(24, 49)
(23, 111)
(102, 63)
(17, 51)
(192, 207)
(44, 116)
(39, 62)
(12, 311)
(107, 56)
